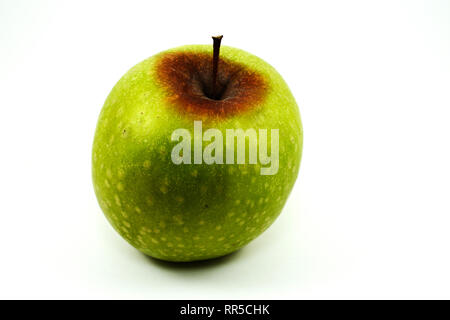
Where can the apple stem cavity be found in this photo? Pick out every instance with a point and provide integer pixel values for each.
(216, 50)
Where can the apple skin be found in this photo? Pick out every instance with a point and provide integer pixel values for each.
(189, 212)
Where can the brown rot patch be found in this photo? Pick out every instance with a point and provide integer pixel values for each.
(187, 77)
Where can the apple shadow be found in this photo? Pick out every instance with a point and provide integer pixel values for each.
(195, 265)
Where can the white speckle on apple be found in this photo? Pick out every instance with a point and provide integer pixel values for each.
(163, 189)
(180, 199)
(145, 230)
(117, 199)
(178, 219)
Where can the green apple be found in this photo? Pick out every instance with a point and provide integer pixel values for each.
(194, 155)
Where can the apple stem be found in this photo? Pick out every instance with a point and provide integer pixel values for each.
(216, 51)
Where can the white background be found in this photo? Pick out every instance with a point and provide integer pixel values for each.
(369, 216)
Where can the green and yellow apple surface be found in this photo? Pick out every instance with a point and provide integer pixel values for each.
(181, 211)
